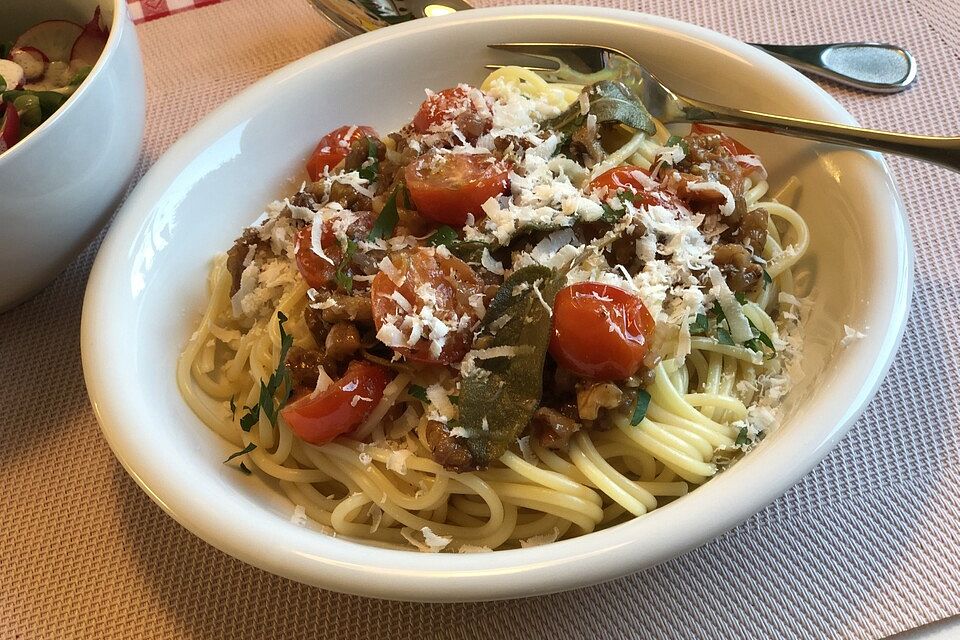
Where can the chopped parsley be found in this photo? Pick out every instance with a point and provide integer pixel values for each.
(387, 220)
(766, 277)
(444, 236)
(756, 343)
(244, 470)
(276, 391)
(718, 312)
(370, 171)
(724, 337)
(677, 141)
(759, 340)
(742, 437)
(640, 407)
(418, 392)
(236, 454)
(611, 214)
(700, 326)
(342, 275)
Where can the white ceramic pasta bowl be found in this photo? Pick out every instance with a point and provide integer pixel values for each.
(148, 289)
(59, 185)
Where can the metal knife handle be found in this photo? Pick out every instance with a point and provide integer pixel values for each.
(883, 68)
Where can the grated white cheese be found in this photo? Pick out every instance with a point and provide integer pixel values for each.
(441, 401)
(431, 543)
(729, 203)
(491, 265)
(435, 542)
(316, 241)
(545, 538)
(357, 399)
(299, 516)
(526, 450)
(323, 381)
(851, 335)
(387, 267)
(739, 325)
(472, 548)
(397, 461)
(539, 294)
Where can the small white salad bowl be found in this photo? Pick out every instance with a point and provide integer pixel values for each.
(148, 288)
(60, 183)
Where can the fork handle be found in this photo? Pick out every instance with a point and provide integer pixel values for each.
(869, 66)
(941, 150)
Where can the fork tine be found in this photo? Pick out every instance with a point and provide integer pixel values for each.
(538, 62)
(583, 58)
(501, 66)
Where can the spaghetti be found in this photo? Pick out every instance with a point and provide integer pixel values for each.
(630, 218)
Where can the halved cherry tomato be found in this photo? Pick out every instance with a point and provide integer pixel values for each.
(600, 331)
(632, 178)
(342, 407)
(315, 270)
(444, 106)
(447, 187)
(442, 284)
(334, 147)
(733, 146)
(9, 126)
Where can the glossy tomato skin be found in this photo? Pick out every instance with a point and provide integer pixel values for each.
(635, 180)
(314, 269)
(448, 105)
(449, 187)
(334, 147)
(451, 282)
(318, 272)
(732, 145)
(342, 407)
(600, 331)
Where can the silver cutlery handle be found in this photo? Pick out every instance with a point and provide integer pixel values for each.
(883, 68)
(944, 151)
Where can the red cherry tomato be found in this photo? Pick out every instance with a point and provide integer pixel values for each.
(733, 146)
(600, 331)
(446, 187)
(635, 180)
(443, 106)
(342, 407)
(9, 126)
(318, 272)
(449, 284)
(334, 147)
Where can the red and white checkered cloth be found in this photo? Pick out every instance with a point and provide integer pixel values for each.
(145, 10)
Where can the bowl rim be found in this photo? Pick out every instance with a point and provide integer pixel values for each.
(408, 575)
(118, 24)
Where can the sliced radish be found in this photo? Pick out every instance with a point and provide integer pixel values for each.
(54, 38)
(9, 127)
(12, 74)
(89, 44)
(32, 60)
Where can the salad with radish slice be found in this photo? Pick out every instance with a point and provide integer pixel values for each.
(41, 69)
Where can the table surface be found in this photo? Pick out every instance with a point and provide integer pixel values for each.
(866, 546)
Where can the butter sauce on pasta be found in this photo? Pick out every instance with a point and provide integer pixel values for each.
(710, 398)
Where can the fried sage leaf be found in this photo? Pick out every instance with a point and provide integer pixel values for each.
(498, 395)
(611, 102)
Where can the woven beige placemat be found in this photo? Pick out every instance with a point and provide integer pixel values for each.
(866, 546)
